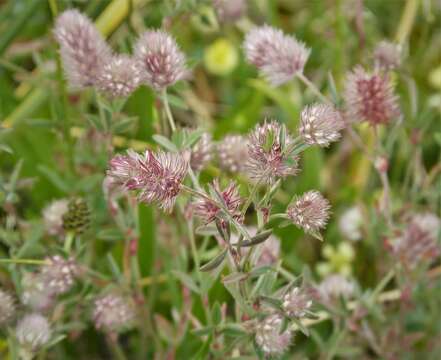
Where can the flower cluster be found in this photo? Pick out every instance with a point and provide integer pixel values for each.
(156, 176)
(53, 216)
(387, 55)
(33, 331)
(269, 337)
(233, 153)
(89, 61)
(277, 56)
(114, 313)
(370, 97)
(7, 307)
(201, 153)
(335, 286)
(296, 303)
(268, 155)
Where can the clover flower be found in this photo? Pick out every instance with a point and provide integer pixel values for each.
(114, 313)
(351, 222)
(119, 77)
(156, 176)
(277, 56)
(59, 274)
(161, 61)
(35, 294)
(228, 10)
(233, 153)
(53, 216)
(335, 286)
(7, 307)
(296, 303)
(370, 97)
(320, 124)
(201, 153)
(266, 149)
(208, 210)
(387, 55)
(33, 331)
(269, 338)
(83, 50)
(310, 211)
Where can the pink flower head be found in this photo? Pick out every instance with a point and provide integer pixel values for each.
(266, 150)
(114, 313)
(83, 50)
(296, 303)
(161, 61)
(310, 211)
(156, 176)
(387, 55)
(320, 124)
(208, 210)
(119, 77)
(269, 338)
(201, 153)
(233, 153)
(277, 56)
(370, 97)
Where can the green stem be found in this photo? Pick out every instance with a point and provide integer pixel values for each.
(250, 197)
(23, 261)
(168, 112)
(70, 236)
(380, 287)
(313, 88)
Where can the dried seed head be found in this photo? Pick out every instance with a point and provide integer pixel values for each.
(59, 274)
(201, 153)
(119, 77)
(53, 216)
(387, 56)
(77, 218)
(296, 303)
(114, 313)
(269, 338)
(233, 153)
(208, 211)
(320, 124)
(267, 159)
(277, 56)
(7, 307)
(35, 293)
(418, 242)
(310, 211)
(370, 97)
(83, 50)
(228, 10)
(161, 61)
(335, 286)
(33, 331)
(157, 176)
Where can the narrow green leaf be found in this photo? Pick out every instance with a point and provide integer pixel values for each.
(186, 280)
(216, 313)
(165, 143)
(215, 262)
(257, 239)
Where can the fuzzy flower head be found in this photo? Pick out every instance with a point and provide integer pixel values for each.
(83, 50)
(296, 303)
(201, 153)
(266, 150)
(156, 176)
(233, 153)
(309, 211)
(387, 55)
(351, 222)
(370, 97)
(33, 331)
(335, 286)
(53, 216)
(7, 307)
(277, 56)
(35, 294)
(113, 313)
(320, 124)
(119, 77)
(418, 242)
(229, 10)
(161, 61)
(59, 274)
(208, 210)
(269, 338)
(269, 252)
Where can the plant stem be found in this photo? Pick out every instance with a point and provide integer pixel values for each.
(70, 236)
(313, 88)
(23, 261)
(168, 112)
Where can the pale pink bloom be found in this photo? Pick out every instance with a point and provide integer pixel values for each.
(59, 274)
(335, 286)
(296, 303)
(320, 124)
(7, 307)
(370, 97)
(387, 55)
(277, 56)
(161, 61)
(83, 50)
(309, 211)
(269, 338)
(233, 153)
(267, 157)
(33, 331)
(230, 10)
(53, 216)
(201, 153)
(114, 313)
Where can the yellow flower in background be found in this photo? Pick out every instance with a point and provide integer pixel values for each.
(338, 260)
(435, 78)
(221, 57)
